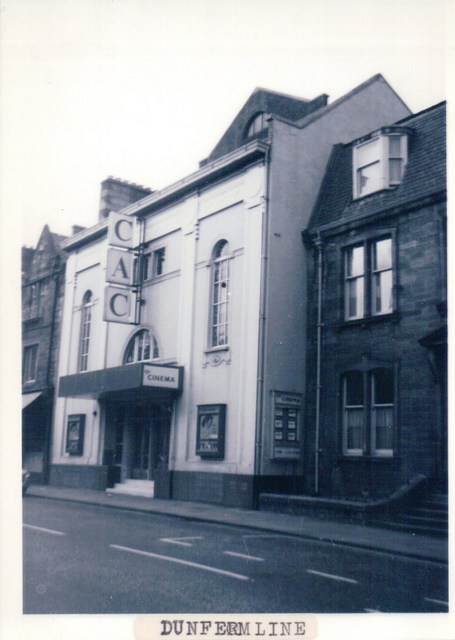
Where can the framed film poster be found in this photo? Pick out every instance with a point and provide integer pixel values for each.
(75, 434)
(286, 415)
(211, 426)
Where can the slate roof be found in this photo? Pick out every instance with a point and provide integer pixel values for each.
(287, 107)
(425, 173)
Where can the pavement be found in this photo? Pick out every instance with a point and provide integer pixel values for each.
(398, 543)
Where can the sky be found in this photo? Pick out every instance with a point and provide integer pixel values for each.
(143, 89)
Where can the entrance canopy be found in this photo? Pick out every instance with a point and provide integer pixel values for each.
(122, 383)
(28, 398)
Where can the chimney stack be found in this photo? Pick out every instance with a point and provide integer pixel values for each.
(117, 194)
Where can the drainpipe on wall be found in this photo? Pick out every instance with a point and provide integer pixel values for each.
(261, 330)
(319, 246)
(51, 376)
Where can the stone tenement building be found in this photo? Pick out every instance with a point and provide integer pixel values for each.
(43, 283)
(377, 332)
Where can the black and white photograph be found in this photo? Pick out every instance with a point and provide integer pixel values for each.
(224, 266)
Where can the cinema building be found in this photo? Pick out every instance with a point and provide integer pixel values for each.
(182, 362)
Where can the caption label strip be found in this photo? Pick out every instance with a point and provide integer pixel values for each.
(192, 627)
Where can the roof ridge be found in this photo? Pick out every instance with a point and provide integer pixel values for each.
(422, 112)
(346, 96)
(282, 94)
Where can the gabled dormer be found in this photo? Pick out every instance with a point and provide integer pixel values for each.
(391, 167)
(252, 120)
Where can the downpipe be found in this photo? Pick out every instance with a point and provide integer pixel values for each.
(319, 246)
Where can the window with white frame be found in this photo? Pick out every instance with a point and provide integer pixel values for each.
(379, 162)
(354, 282)
(141, 348)
(86, 322)
(368, 279)
(220, 295)
(29, 363)
(368, 412)
(382, 394)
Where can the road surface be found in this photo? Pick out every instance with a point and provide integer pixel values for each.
(88, 559)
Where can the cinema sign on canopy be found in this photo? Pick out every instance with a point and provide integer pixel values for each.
(120, 296)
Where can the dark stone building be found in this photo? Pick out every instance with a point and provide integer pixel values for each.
(377, 328)
(43, 281)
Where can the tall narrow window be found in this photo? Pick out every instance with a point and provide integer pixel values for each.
(354, 414)
(382, 411)
(220, 295)
(381, 276)
(86, 321)
(354, 282)
(368, 412)
(159, 256)
(29, 363)
(368, 167)
(368, 279)
(141, 348)
(397, 158)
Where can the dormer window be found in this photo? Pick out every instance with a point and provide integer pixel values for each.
(257, 124)
(379, 162)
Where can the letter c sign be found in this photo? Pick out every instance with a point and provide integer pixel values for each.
(120, 230)
(118, 305)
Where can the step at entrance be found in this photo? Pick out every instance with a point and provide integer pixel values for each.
(141, 488)
(428, 515)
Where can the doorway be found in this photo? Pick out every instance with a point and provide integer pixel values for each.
(144, 450)
(148, 434)
(137, 440)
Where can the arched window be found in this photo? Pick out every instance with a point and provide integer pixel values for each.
(86, 321)
(141, 348)
(220, 295)
(257, 124)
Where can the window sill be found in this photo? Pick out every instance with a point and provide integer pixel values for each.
(368, 459)
(365, 323)
(216, 349)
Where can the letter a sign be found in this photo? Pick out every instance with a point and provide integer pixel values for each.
(119, 267)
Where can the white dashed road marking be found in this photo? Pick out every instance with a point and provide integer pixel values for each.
(195, 565)
(52, 531)
(434, 601)
(331, 576)
(182, 541)
(244, 556)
